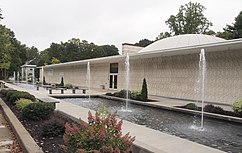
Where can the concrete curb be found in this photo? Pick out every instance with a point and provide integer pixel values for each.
(25, 140)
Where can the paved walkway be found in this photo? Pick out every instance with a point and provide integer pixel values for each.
(6, 139)
(150, 139)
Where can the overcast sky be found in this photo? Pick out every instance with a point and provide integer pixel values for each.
(40, 22)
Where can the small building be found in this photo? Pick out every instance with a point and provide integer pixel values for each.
(170, 66)
(28, 74)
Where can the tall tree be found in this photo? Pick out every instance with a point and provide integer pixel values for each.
(163, 35)
(189, 20)
(232, 31)
(1, 16)
(144, 42)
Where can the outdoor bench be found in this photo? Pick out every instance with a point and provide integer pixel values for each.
(79, 88)
(48, 100)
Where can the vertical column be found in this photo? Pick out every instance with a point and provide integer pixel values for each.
(42, 77)
(33, 77)
(22, 75)
(18, 76)
(26, 74)
(14, 76)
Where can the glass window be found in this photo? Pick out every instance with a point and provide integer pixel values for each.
(114, 68)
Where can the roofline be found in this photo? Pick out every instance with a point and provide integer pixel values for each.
(219, 46)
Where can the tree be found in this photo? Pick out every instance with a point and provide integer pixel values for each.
(232, 31)
(1, 16)
(163, 35)
(144, 42)
(144, 91)
(189, 20)
(55, 61)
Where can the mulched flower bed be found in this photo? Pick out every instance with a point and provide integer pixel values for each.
(48, 144)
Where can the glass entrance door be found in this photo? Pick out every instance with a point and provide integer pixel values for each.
(113, 81)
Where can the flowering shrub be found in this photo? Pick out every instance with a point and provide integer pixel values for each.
(101, 134)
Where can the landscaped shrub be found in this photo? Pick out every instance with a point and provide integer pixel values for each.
(213, 109)
(53, 127)
(20, 94)
(109, 94)
(144, 91)
(101, 134)
(237, 107)
(68, 86)
(122, 93)
(62, 82)
(44, 82)
(38, 111)
(9, 93)
(21, 103)
(191, 106)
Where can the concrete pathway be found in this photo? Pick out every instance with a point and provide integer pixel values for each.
(153, 140)
(6, 138)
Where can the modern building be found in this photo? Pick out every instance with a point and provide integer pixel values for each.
(170, 66)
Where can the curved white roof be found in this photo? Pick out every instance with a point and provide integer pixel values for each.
(181, 41)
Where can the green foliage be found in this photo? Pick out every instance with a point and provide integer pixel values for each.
(62, 82)
(191, 106)
(55, 60)
(53, 127)
(44, 82)
(122, 93)
(237, 107)
(232, 31)
(189, 20)
(13, 54)
(38, 111)
(68, 86)
(21, 103)
(144, 91)
(1, 16)
(101, 134)
(144, 42)
(13, 96)
(163, 35)
(74, 50)
(213, 109)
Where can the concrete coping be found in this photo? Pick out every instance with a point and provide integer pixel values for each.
(177, 109)
(25, 140)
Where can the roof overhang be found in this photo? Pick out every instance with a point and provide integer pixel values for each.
(234, 44)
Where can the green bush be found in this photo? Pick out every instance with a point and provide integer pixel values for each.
(62, 82)
(38, 111)
(237, 107)
(213, 109)
(21, 103)
(9, 93)
(144, 91)
(122, 93)
(53, 127)
(16, 95)
(101, 134)
(109, 94)
(191, 106)
(68, 86)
